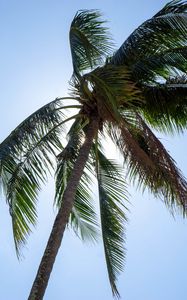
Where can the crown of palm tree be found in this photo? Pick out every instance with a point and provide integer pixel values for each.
(143, 85)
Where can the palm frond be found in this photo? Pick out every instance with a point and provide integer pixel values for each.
(26, 156)
(166, 105)
(161, 65)
(83, 218)
(174, 6)
(170, 182)
(89, 40)
(149, 164)
(112, 194)
(22, 192)
(32, 130)
(166, 31)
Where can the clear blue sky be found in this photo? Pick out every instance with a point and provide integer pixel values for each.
(35, 68)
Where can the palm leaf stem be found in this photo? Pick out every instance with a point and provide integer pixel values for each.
(68, 106)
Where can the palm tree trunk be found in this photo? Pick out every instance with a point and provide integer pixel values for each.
(54, 242)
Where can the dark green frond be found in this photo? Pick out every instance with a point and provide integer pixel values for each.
(166, 31)
(22, 191)
(175, 6)
(161, 65)
(112, 194)
(26, 156)
(36, 128)
(89, 40)
(166, 105)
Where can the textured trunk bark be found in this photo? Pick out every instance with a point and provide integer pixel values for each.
(54, 242)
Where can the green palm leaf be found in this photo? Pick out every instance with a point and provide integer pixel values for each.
(161, 65)
(167, 30)
(165, 105)
(174, 6)
(26, 156)
(89, 40)
(112, 193)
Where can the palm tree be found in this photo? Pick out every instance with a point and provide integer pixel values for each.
(120, 96)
